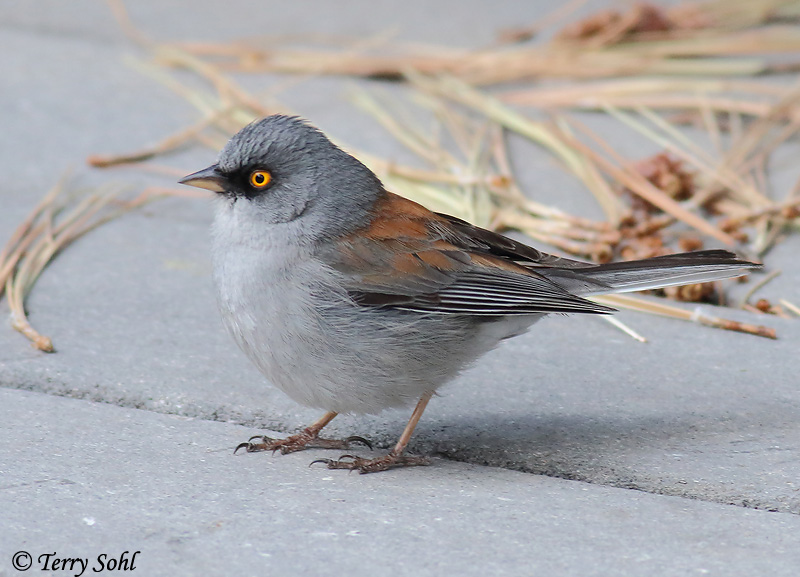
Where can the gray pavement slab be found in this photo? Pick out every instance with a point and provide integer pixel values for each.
(84, 479)
(695, 413)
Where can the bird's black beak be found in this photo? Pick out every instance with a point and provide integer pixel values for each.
(209, 178)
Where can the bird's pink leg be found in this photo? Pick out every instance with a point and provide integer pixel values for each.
(395, 458)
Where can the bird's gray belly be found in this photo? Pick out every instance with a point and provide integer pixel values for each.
(311, 341)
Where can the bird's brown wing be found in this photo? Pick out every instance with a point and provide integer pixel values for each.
(411, 258)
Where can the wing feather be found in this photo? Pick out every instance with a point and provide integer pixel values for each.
(412, 259)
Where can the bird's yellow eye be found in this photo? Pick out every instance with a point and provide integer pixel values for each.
(260, 178)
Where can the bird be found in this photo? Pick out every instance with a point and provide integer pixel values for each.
(352, 299)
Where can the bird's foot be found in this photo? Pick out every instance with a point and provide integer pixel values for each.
(362, 465)
(298, 442)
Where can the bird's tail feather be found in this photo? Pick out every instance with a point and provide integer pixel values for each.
(651, 273)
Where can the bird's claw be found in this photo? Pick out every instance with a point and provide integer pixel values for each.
(354, 463)
(357, 439)
(299, 442)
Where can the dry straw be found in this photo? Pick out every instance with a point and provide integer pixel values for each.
(56, 222)
(718, 38)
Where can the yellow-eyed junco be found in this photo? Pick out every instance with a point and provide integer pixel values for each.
(352, 299)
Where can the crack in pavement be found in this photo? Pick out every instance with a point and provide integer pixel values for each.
(606, 476)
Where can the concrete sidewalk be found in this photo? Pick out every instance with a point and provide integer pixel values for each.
(83, 479)
(700, 419)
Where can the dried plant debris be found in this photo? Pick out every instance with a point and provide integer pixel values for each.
(613, 26)
(690, 101)
(790, 306)
(719, 37)
(59, 219)
(696, 316)
(645, 21)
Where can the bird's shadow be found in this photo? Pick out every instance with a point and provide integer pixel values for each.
(578, 446)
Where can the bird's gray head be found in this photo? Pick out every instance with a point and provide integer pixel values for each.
(282, 169)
